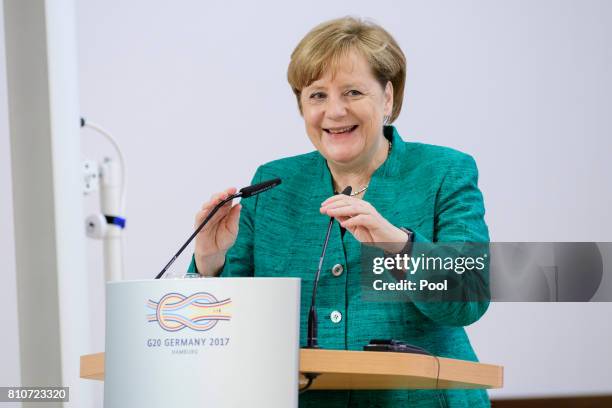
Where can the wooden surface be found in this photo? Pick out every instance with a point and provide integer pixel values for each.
(341, 369)
(92, 366)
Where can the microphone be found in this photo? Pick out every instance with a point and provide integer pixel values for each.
(312, 341)
(244, 192)
(255, 189)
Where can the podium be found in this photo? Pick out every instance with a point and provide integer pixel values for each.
(223, 342)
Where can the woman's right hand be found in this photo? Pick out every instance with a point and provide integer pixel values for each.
(213, 241)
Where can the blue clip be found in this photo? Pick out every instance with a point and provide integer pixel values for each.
(118, 221)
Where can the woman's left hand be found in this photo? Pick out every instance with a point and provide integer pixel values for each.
(362, 220)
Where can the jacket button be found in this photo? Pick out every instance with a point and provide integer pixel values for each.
(337, 270)
(335, 316)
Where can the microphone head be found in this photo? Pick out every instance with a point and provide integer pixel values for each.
(347, 190)
(255, 189)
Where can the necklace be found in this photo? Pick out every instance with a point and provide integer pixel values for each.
(359, 192)
(366, 186)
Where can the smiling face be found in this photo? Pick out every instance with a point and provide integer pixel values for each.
(343, 112)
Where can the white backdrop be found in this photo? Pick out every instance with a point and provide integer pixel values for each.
(195, 92)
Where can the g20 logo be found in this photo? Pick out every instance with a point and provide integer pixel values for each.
(200, 311)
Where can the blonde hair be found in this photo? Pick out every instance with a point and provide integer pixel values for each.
(325, 45)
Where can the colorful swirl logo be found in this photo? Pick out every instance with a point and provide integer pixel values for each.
(200, 311)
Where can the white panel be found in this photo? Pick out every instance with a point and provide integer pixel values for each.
(49, 238)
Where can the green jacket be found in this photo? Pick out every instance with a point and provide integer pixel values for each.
(430, 190)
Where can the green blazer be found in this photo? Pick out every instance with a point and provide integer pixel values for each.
(430, 190)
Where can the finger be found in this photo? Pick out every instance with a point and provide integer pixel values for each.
(337, 197)
(339, 204)
(232, 220)
(213, 200)
(361, 220)
(343, 201)
(342, 219)
(218, 216)
(208, 207)
(347, 211)
(202, 215)
(217, 198)
(338, 201)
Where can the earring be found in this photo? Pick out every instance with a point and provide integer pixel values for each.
(386, 119)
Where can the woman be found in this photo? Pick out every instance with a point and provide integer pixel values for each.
(348, 78)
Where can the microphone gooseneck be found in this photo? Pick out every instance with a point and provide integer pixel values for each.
(244, 192)
(312, 341)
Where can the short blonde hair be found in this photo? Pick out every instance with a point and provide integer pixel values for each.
(323, 47)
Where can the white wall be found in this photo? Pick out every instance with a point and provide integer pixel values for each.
(196, 94)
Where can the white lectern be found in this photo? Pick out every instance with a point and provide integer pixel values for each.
(231, 342)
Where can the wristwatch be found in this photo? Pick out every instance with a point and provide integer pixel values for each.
(407, 249)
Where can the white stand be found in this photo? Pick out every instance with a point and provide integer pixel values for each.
(110, 203)
(231, 342)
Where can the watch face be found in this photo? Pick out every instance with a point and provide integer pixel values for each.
(410, 233)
